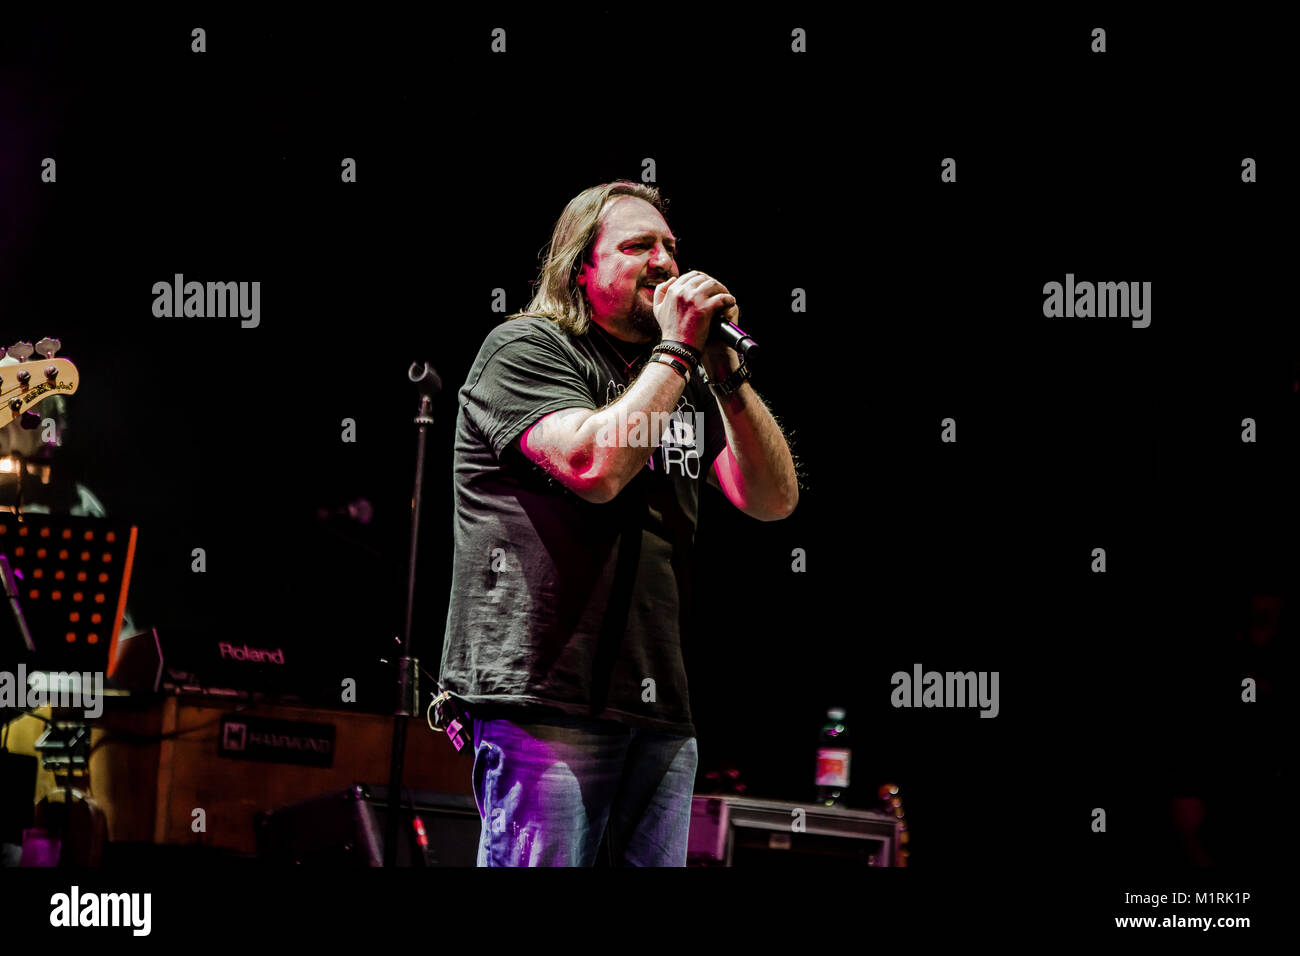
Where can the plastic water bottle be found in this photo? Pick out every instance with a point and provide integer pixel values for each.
(833, 760)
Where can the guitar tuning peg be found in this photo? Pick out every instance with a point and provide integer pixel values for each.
(49, 347)
(21, 351)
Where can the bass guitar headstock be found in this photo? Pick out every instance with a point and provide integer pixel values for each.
(27, 384)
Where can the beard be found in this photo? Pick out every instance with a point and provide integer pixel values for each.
(642, 319)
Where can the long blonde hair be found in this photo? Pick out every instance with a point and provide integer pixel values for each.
(556, 293)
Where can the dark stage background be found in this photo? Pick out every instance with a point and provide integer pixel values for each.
(924, 301)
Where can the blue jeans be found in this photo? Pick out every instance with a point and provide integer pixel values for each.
(547, 791)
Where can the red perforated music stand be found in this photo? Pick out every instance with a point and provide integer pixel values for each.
(72, 576)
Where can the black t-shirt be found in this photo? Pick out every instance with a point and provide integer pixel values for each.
(553, 606)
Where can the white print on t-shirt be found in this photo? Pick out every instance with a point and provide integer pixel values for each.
(681, 444)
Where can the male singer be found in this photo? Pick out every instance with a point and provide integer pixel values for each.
(584, 432)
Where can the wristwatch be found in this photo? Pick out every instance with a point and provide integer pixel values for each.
(728, 386)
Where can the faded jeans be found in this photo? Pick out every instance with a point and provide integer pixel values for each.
(547, 791)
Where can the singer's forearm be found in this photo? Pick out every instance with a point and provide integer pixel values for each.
(756, 470)
(595, 454)
(620, 437)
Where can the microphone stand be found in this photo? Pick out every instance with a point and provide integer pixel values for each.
(408, 683)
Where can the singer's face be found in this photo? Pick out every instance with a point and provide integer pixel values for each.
(633, 249)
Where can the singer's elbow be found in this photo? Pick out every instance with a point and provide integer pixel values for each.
(775, 511)
(786, 509)
(788, 503)
(792, 502)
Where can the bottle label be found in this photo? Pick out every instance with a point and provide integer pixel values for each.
(832, 767)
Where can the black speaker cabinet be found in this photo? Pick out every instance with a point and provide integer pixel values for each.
(347, 827)
(17, 795)
(739, 831)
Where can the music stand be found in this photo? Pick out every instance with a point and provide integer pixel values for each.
(71, 575)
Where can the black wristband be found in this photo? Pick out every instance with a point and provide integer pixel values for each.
(682, 352)
(698, 355)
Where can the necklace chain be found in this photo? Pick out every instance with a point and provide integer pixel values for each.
(606, 337)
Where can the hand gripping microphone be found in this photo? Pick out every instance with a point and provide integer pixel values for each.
(726, 330)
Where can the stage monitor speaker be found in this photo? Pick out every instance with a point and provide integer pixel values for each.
(739, 831)
(346, 828)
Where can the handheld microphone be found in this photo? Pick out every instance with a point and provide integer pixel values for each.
(726, 330)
